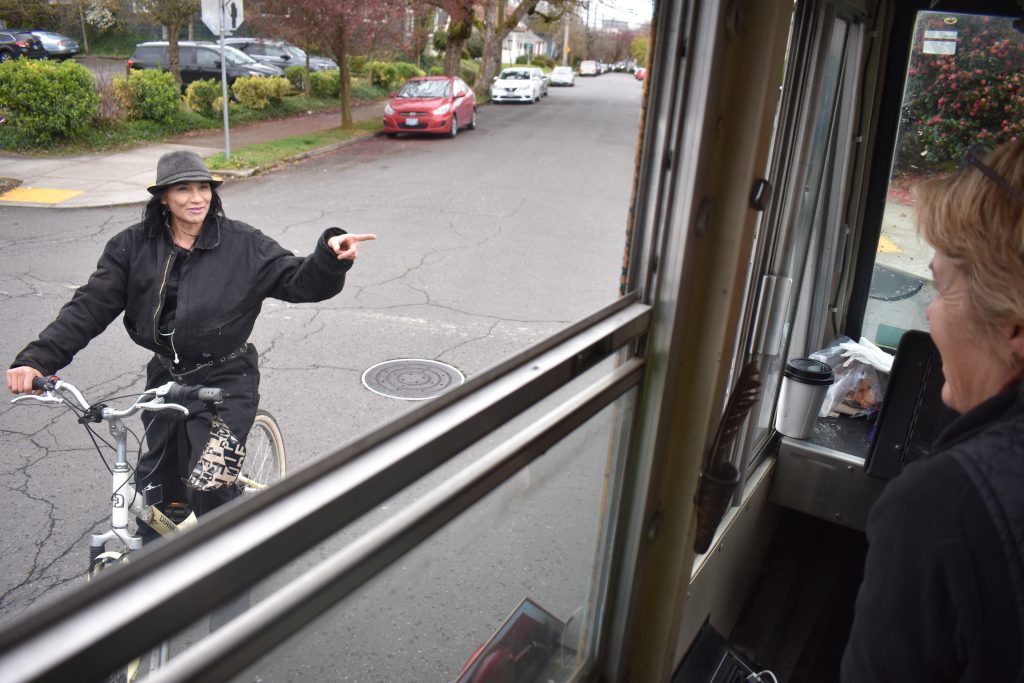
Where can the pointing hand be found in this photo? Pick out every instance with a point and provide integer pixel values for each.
(347, 246)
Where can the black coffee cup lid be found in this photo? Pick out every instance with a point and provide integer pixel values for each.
(808, 371)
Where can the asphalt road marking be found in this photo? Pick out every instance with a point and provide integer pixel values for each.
(887, 246)
(38, 195)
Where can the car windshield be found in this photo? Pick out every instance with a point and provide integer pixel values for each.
(295, 52)
(563, 69)
(236, 56)
(514, 75)
(425, 89)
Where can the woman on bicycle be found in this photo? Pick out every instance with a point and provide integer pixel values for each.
(190, 282)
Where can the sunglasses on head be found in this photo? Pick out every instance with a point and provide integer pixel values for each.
(973, 157)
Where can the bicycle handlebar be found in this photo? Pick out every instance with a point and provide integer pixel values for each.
(170, 396)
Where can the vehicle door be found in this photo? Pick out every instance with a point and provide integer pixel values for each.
(207, 63)
(275, 56)
(463, 102)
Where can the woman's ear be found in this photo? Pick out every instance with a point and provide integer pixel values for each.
(1016, 341)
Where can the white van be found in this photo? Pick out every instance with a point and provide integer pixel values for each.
(588, 67)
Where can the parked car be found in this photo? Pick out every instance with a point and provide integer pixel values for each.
(200, 61)
(588, 67)
(544, 80)
(57, 46)
(431, 104)
(16, 43)
(563, 75)
(279, 53)
(517, 84)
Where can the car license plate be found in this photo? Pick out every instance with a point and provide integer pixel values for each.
(412, 122)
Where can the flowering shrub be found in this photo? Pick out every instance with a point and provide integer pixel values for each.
(954, 101)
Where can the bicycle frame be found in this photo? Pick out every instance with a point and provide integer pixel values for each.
(124, 498)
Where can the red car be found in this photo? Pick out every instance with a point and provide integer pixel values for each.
(431, 104)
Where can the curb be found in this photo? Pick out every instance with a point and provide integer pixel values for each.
(240, 173)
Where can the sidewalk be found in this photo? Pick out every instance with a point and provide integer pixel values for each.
(119, 178)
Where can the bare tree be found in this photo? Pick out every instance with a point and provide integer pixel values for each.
(172, 15)
(461, 15)
(506, 19)
(340, 27)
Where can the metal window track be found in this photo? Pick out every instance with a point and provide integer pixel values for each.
(135, 608)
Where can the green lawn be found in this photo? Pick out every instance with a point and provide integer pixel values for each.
(266, 154)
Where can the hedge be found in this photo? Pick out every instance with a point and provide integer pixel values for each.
(201, 96)
(47, 101)
(257, 92)
(325, 84)
(149, 94)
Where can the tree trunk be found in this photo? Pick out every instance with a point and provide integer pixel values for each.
(85, 36)
(491, 57)
(458, 34)
(173, 62)
(306, 87)
(345, 91)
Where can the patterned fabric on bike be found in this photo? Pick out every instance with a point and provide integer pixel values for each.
(221, 461)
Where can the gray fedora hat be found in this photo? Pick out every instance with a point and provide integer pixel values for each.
(181, 166)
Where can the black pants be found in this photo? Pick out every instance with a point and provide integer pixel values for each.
(175, 443)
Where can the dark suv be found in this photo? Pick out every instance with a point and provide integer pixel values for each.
(199, 61)
(279, 53)
(15, 43)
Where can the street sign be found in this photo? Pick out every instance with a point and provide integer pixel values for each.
(232, 15)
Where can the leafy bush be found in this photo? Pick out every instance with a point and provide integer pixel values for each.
(200, 96)
(544, 60)
(357, 65)
(383, 74)
(437, 71)
(536, 60)
(469, 72)
(325, 84)
(150, 94)
(367, 91)
(46, 101)
(257, 92)
(954, 101)
(390, 75)
(296, 75)
(406, 71)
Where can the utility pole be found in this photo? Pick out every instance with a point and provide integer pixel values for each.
(565, 39)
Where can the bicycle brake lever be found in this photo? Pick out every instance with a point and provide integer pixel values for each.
(159, 404)
(48, 397)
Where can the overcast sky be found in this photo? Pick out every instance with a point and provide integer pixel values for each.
(636, 12)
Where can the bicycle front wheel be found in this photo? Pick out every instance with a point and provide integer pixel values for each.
(264, 454)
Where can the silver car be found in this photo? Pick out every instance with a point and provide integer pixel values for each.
(57, 46)
(517, 84)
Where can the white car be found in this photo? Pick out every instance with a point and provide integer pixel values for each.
(518, 84)
(563, 75)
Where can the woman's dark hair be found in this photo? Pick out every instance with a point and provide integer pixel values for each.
(155, 214)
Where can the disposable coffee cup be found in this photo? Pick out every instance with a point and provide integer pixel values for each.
(804, 385)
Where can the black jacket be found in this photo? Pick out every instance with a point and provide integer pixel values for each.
(231, 269)
(943, 591)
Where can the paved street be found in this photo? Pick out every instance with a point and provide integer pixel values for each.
(486, 244)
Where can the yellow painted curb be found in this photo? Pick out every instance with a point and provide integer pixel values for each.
(887, 246)
(38, 195)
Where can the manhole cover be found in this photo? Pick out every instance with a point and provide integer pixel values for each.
(411, 379)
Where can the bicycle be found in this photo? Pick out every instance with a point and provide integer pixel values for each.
(264, 464)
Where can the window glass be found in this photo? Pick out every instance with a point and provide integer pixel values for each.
(206, 58)
(964, 86)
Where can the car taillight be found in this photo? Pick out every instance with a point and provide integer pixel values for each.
(21, 43)
(131, 63)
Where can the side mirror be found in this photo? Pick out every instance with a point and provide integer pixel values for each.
(459, 94)
(392, 94)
